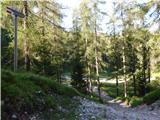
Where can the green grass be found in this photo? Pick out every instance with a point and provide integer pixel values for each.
(110, 89)
(29, 92)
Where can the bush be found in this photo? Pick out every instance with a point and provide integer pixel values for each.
(155, 84)
(8, 76)
(152, 96)
(136, 101)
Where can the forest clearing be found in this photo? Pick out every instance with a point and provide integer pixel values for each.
(80, 59)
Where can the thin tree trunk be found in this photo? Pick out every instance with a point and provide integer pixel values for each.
(117, 89)
(26, 42)
(86, 62)
(43, 34)
(124, 73)
(149, 68)
(90, 81)
(96, 60)
(144, 71)
(134, 83)
(133, 70)
(97, 72)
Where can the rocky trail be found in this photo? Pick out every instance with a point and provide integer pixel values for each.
(116, 110)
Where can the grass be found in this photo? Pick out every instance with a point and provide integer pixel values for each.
(149, 98)
(110, 89)
(29, 92)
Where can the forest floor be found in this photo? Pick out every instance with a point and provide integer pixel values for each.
(116, 110)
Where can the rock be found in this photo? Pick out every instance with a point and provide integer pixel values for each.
(33, 118)
(151, 108)
(14, 116)
(50, 109)
(93, 117)
(60, 108)
(25, 112)
(38, 92)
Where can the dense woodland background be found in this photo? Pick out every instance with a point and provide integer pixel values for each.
(128, 52)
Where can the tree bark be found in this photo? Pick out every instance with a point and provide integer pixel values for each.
(90, 80)
(124, 73)
(96, 59)
(134, 83)
(26, 42)
(117, 89)
(144, 71)
(149, 67)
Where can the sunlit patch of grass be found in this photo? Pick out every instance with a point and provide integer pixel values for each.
(111, 90)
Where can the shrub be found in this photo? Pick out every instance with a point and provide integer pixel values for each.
(136, 101)
(155, 84)
(7, 76)
(152, 96)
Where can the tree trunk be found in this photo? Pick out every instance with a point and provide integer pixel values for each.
(87, 65)
(97, 73)
(26, 42)
(149, 68)
(134, 83)
(90, 81)
(96, 59)
(144, 71)
(124, 73)
(117, 89)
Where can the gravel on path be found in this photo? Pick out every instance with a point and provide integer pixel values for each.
(115, 110)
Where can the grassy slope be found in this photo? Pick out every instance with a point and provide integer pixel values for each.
(26, 92)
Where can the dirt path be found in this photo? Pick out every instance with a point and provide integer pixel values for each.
(116, 110)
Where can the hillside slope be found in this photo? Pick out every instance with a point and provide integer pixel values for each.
(28, 96)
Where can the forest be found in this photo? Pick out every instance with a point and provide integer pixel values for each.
(105, 67)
